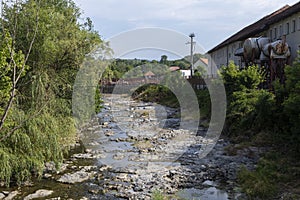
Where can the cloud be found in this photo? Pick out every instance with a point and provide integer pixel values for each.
(219, 18)
(176, 9)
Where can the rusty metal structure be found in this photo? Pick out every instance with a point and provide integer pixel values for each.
(272, 56)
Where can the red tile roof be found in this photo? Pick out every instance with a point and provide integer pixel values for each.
(149, 73)
(204, 60)
(174, 68)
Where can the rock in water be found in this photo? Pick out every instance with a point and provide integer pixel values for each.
(76, 177)
(11, 195)
(39, 194)
(2, 196)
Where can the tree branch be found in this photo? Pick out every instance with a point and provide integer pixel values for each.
(16, 75)
(30, 46)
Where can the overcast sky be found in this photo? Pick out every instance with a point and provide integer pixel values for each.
(212, 21)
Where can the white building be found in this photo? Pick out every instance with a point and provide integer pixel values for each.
(285, 21)
(185, 73)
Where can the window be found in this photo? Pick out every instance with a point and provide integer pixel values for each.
(293, 25)
(280, 30)
(287, 28)
(275, 33)
(299, 23)
(271, 33)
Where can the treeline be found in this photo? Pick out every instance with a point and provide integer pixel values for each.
(119, 67)
(42, 46)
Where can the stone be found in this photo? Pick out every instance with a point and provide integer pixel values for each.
(47, 176)
(118, 156)
(104, 168)
(63, 168)
(76, 177)
(50, 167)
(11, 195)
(2, 196)
(105, 124)
(39, 194)
(109, 133)
(87, 155)
(95, 191)
(208, 183)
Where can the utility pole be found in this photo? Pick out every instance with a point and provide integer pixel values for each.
(192, 35)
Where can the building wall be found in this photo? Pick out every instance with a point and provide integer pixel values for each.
(185, 73)
(289, 26)
(223, 56)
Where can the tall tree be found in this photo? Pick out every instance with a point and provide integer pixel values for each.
(163, 59)
(43, 44)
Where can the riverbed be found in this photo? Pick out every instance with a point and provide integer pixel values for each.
(132, 150)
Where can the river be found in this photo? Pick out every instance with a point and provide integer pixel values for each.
(132, 150)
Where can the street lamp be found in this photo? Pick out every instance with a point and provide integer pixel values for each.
(192, 35)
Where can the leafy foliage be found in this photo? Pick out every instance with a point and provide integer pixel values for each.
(249, 107)
(276, 114)
(36, 106)
(156, 93)
(238, 80)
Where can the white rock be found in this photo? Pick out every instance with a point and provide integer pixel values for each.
(11, 195)
(2, 196)
(39, 194)
(76, 177)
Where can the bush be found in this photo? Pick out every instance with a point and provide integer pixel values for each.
(156, 93)
(204, 101)
(157, 195)
(251, 109)
(259, 183)
(238, 80)
(248, 107)
(41, 139)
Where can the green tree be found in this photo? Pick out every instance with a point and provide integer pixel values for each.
(12, 67)
(291, 105)
(163, 59)
(43, 44)
(237, 80)
(248, 106)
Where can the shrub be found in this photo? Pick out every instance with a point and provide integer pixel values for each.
(258, 183)
(157, 195)
(251, 108)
